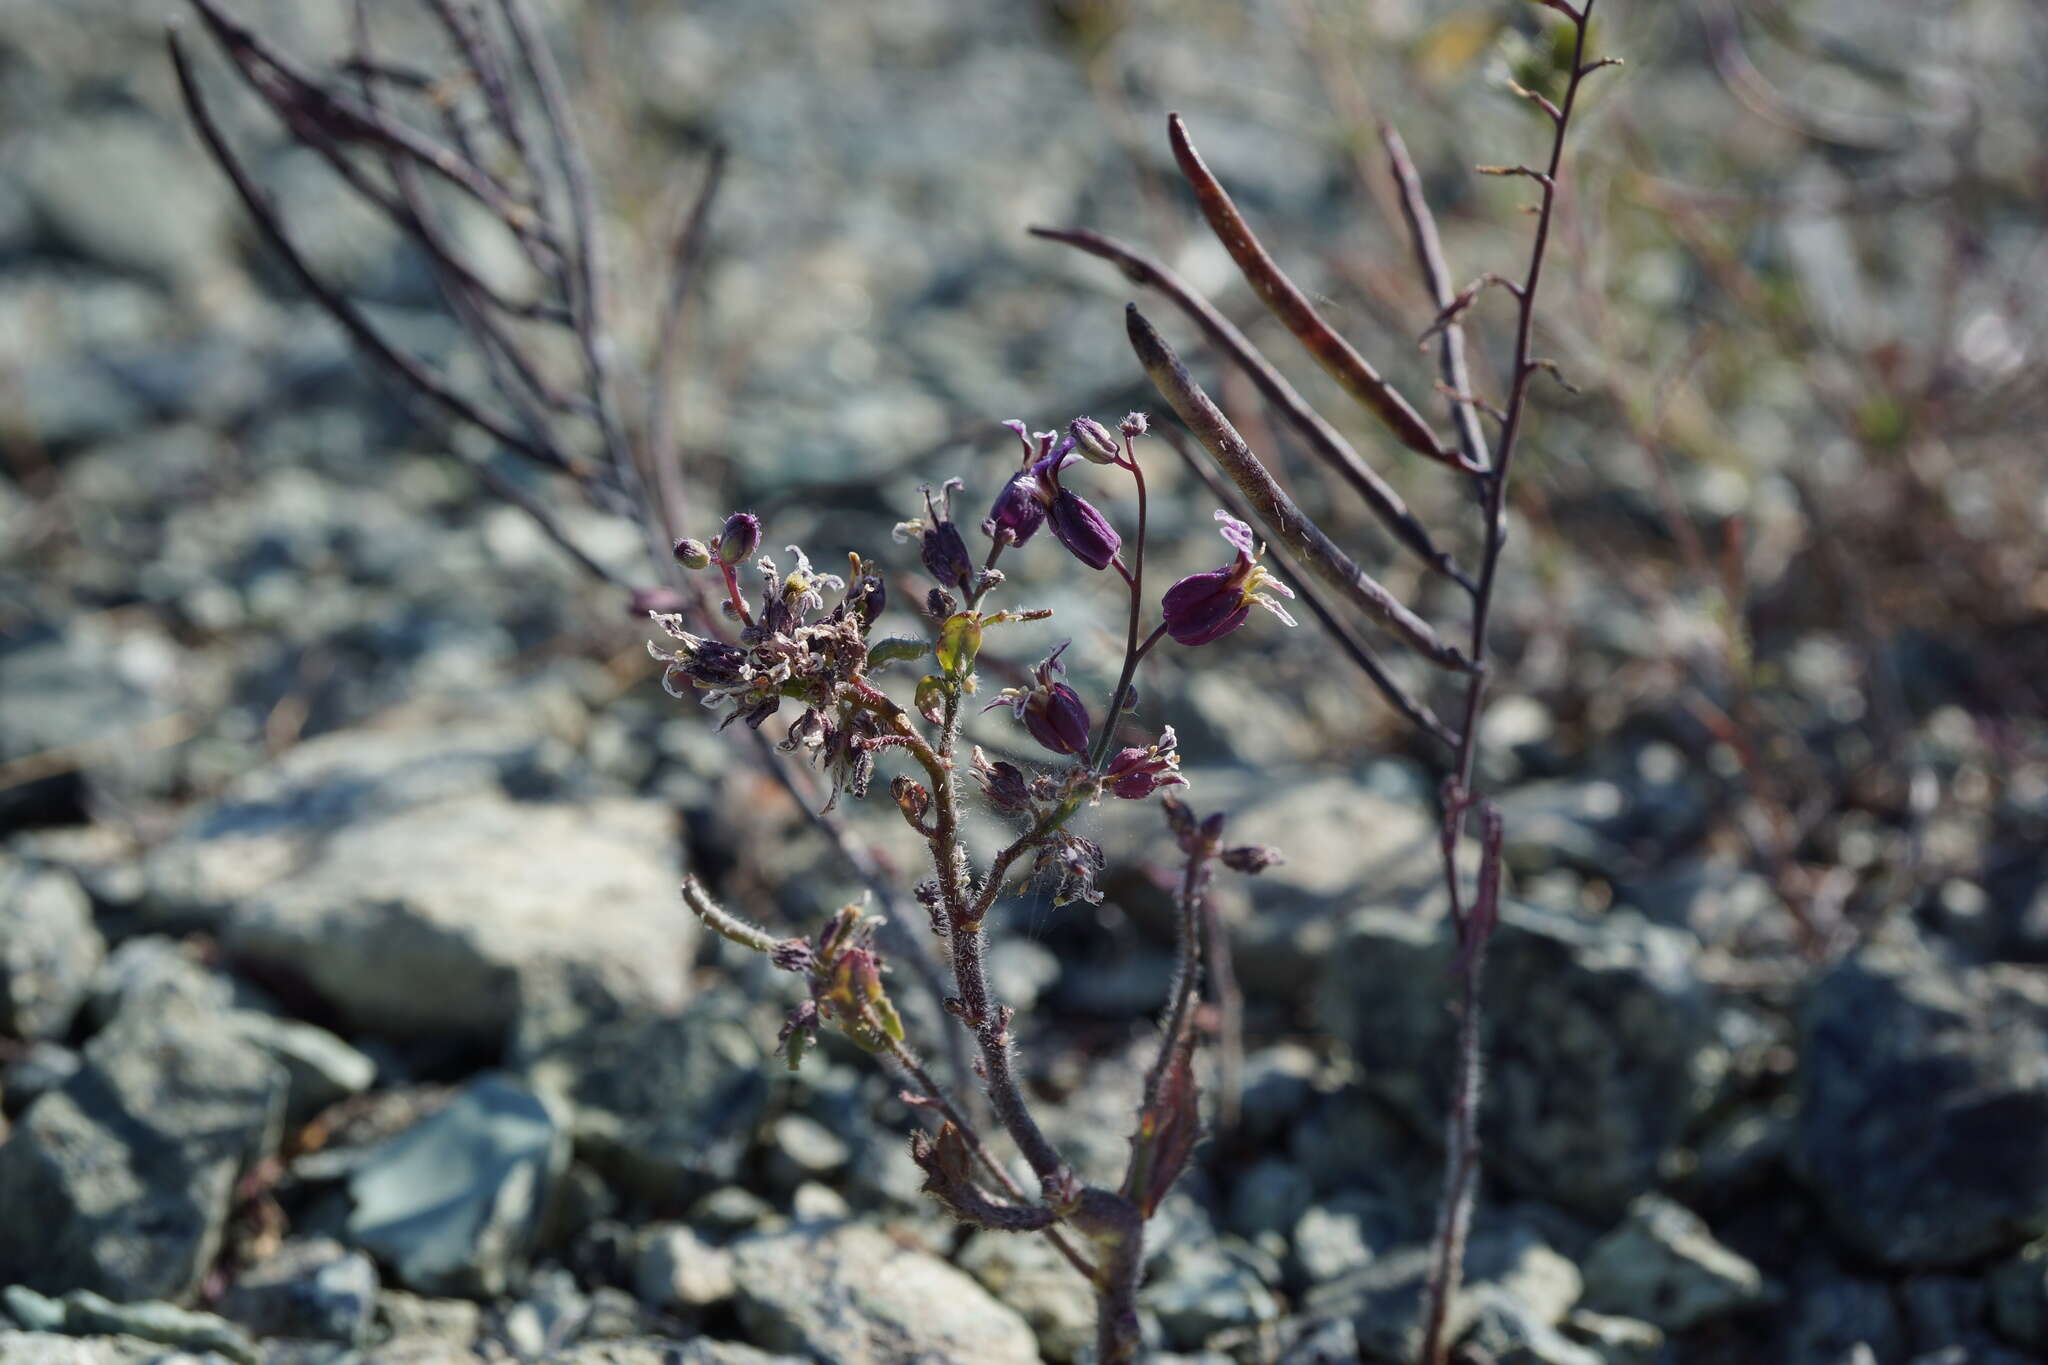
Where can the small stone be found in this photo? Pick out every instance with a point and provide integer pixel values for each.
(731, 1209)
(315, 1288)
(454, 1322)
(1342, 1235)
(803, 1148)
(2019, 1297)
(1621, 1341)
(1029, 1275)
(1510, 1275)
(663, 1105)
(1833, 1314)
(320, 1068)
(852, 1295)
(89, 1314)
(1662, 1265)
(1198, 1290)
(816, 1203)
(1269, 1197)
(453, 1203)
(49, 949)
(677, 1269)
(41, 1068)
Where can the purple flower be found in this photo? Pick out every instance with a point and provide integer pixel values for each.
(1078, 526)
(1051, 711)
(1018, 509)
(1135, 774)
(1207, 606)
(1033, 496)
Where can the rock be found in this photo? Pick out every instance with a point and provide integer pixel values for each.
(800, 1148)
(453, 1203)
(1344, 847)
(41, 1068)
(410, 1317)
(661, 1351)
(1607, 1052)
(1342, 1235)
(2019, 1297)
(1514, 1282)
(1943, 1310)
(1620, 1341)
(1921, 1104)
(99, 188)
(1279, 1083)
(1029, 1275)
(88, 1314)
(662, 1106)
(144, 969)
(1662, 1265)
(46, 1348)
(49, 949)
(271, 822)
(320, 1069)
(449, 921)
(314, 1289)
(120, 1180)
(71, 688)
(847, 1294)
(677, 1269)
(1833, 1315)
(1199, 1289)
(1269, 1197)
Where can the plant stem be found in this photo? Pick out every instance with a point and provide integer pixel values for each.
(1134, 577)
(1462, 1157)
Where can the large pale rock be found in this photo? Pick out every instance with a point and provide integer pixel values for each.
(458, 918)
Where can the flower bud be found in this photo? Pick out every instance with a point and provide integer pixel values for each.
(1134, 424)
(1083, 530)
(1135, 774)
(945, 554)
(692, 554)
(739, 538)
(1093, 440)
(1251, 859)
(1057, 719)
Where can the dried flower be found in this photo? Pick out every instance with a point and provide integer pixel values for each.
(1207, 606)
(1002, 782)
(1050, 710)
(738, 539)
(692, 554)
(1135, 774)
(940, 543)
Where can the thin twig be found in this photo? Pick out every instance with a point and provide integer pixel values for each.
(1436, 274)
(686, 259)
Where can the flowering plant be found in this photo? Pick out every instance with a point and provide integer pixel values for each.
(809, 638)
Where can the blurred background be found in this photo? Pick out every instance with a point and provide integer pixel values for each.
(329, 776)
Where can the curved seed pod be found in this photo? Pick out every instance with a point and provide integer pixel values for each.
(1284, 521)
(1287, 303)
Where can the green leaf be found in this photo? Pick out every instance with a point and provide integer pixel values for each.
(897, 649)
(959, 642)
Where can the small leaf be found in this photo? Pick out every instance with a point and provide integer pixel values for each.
(959, 642)
(1169, 1126)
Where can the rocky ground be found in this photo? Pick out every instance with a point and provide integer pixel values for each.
(347, 1009)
